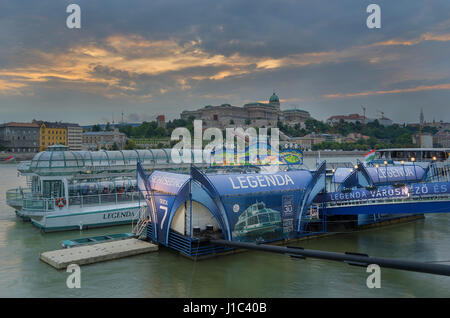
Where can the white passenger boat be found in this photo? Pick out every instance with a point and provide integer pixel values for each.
(83, 189)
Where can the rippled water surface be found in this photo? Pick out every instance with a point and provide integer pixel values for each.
(250, 274)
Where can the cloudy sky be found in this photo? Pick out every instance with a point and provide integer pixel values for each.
(163, 56)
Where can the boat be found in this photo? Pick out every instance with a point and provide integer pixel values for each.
(10, 159)
(70, 190)
(257, 220)
(96, 239)
(409, 155)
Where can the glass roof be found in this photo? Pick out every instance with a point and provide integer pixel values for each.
(98, 159)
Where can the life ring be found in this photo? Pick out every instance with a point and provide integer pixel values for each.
(60, 202)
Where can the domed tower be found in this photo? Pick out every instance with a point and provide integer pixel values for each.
(274, 101)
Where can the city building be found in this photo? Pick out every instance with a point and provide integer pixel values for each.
(255, 114)
(20, 137)
(305, 142)
(96, 140)
(352, 118)
(74, 136)
(384, 121)
(354, 137)
(442, 139)
(161, 121)
(292, 117)
(427, 140)
(51, 133)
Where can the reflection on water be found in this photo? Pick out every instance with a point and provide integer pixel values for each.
(251, 274)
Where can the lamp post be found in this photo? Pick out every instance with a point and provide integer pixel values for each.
(414, 167)
(385, 166)
(437, 171)
(378, 174)
(403, 165)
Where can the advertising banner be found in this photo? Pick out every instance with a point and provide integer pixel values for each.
(435, 188)
(264, 217)
(262, 207)
(391, 174)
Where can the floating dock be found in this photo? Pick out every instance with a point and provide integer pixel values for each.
(95, 253)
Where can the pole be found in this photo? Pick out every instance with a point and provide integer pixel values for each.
(349, 258)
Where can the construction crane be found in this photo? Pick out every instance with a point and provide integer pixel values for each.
(364, 114)
(382, 113)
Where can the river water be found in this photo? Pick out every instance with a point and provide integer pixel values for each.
(249, 274)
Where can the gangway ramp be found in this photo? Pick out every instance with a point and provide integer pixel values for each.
(89, 254)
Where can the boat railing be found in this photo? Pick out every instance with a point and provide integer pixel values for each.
(16, 196)
(38, 204)
(35, 203)
(110, 198)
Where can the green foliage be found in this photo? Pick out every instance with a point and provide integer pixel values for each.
(96, 128)
(380, 136)
(130, 145)
(114, 146)
(151, 129)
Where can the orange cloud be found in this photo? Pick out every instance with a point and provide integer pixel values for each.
(135, 55)
(422, 38)
(393, 91)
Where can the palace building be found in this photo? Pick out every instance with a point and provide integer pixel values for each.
(255, 114)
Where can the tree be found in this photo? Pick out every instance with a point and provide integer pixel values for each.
(114, 146)
(130, 145)
(96, 127)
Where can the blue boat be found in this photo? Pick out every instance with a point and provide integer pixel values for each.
(96, 239)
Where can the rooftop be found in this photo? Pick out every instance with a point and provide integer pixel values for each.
(102, 133)
(15, 124)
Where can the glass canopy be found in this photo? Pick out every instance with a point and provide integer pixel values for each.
(99, 160)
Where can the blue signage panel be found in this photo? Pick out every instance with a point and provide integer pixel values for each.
(167, 182)
(434, 188)
(341, 174)
(243, 184)
(391, 174)
(262, 207)
(262, 217)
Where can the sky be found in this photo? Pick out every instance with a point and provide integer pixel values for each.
(146, 58)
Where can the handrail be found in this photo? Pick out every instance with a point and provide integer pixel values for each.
(31, 203)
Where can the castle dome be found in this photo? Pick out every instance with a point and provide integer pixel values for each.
(274, 99)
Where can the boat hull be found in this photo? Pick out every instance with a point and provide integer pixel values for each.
(88, 218)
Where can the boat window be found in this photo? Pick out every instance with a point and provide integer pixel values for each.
(53, 189)
(276, 217)
(264, 218)
(252, 220)
(239, 226)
